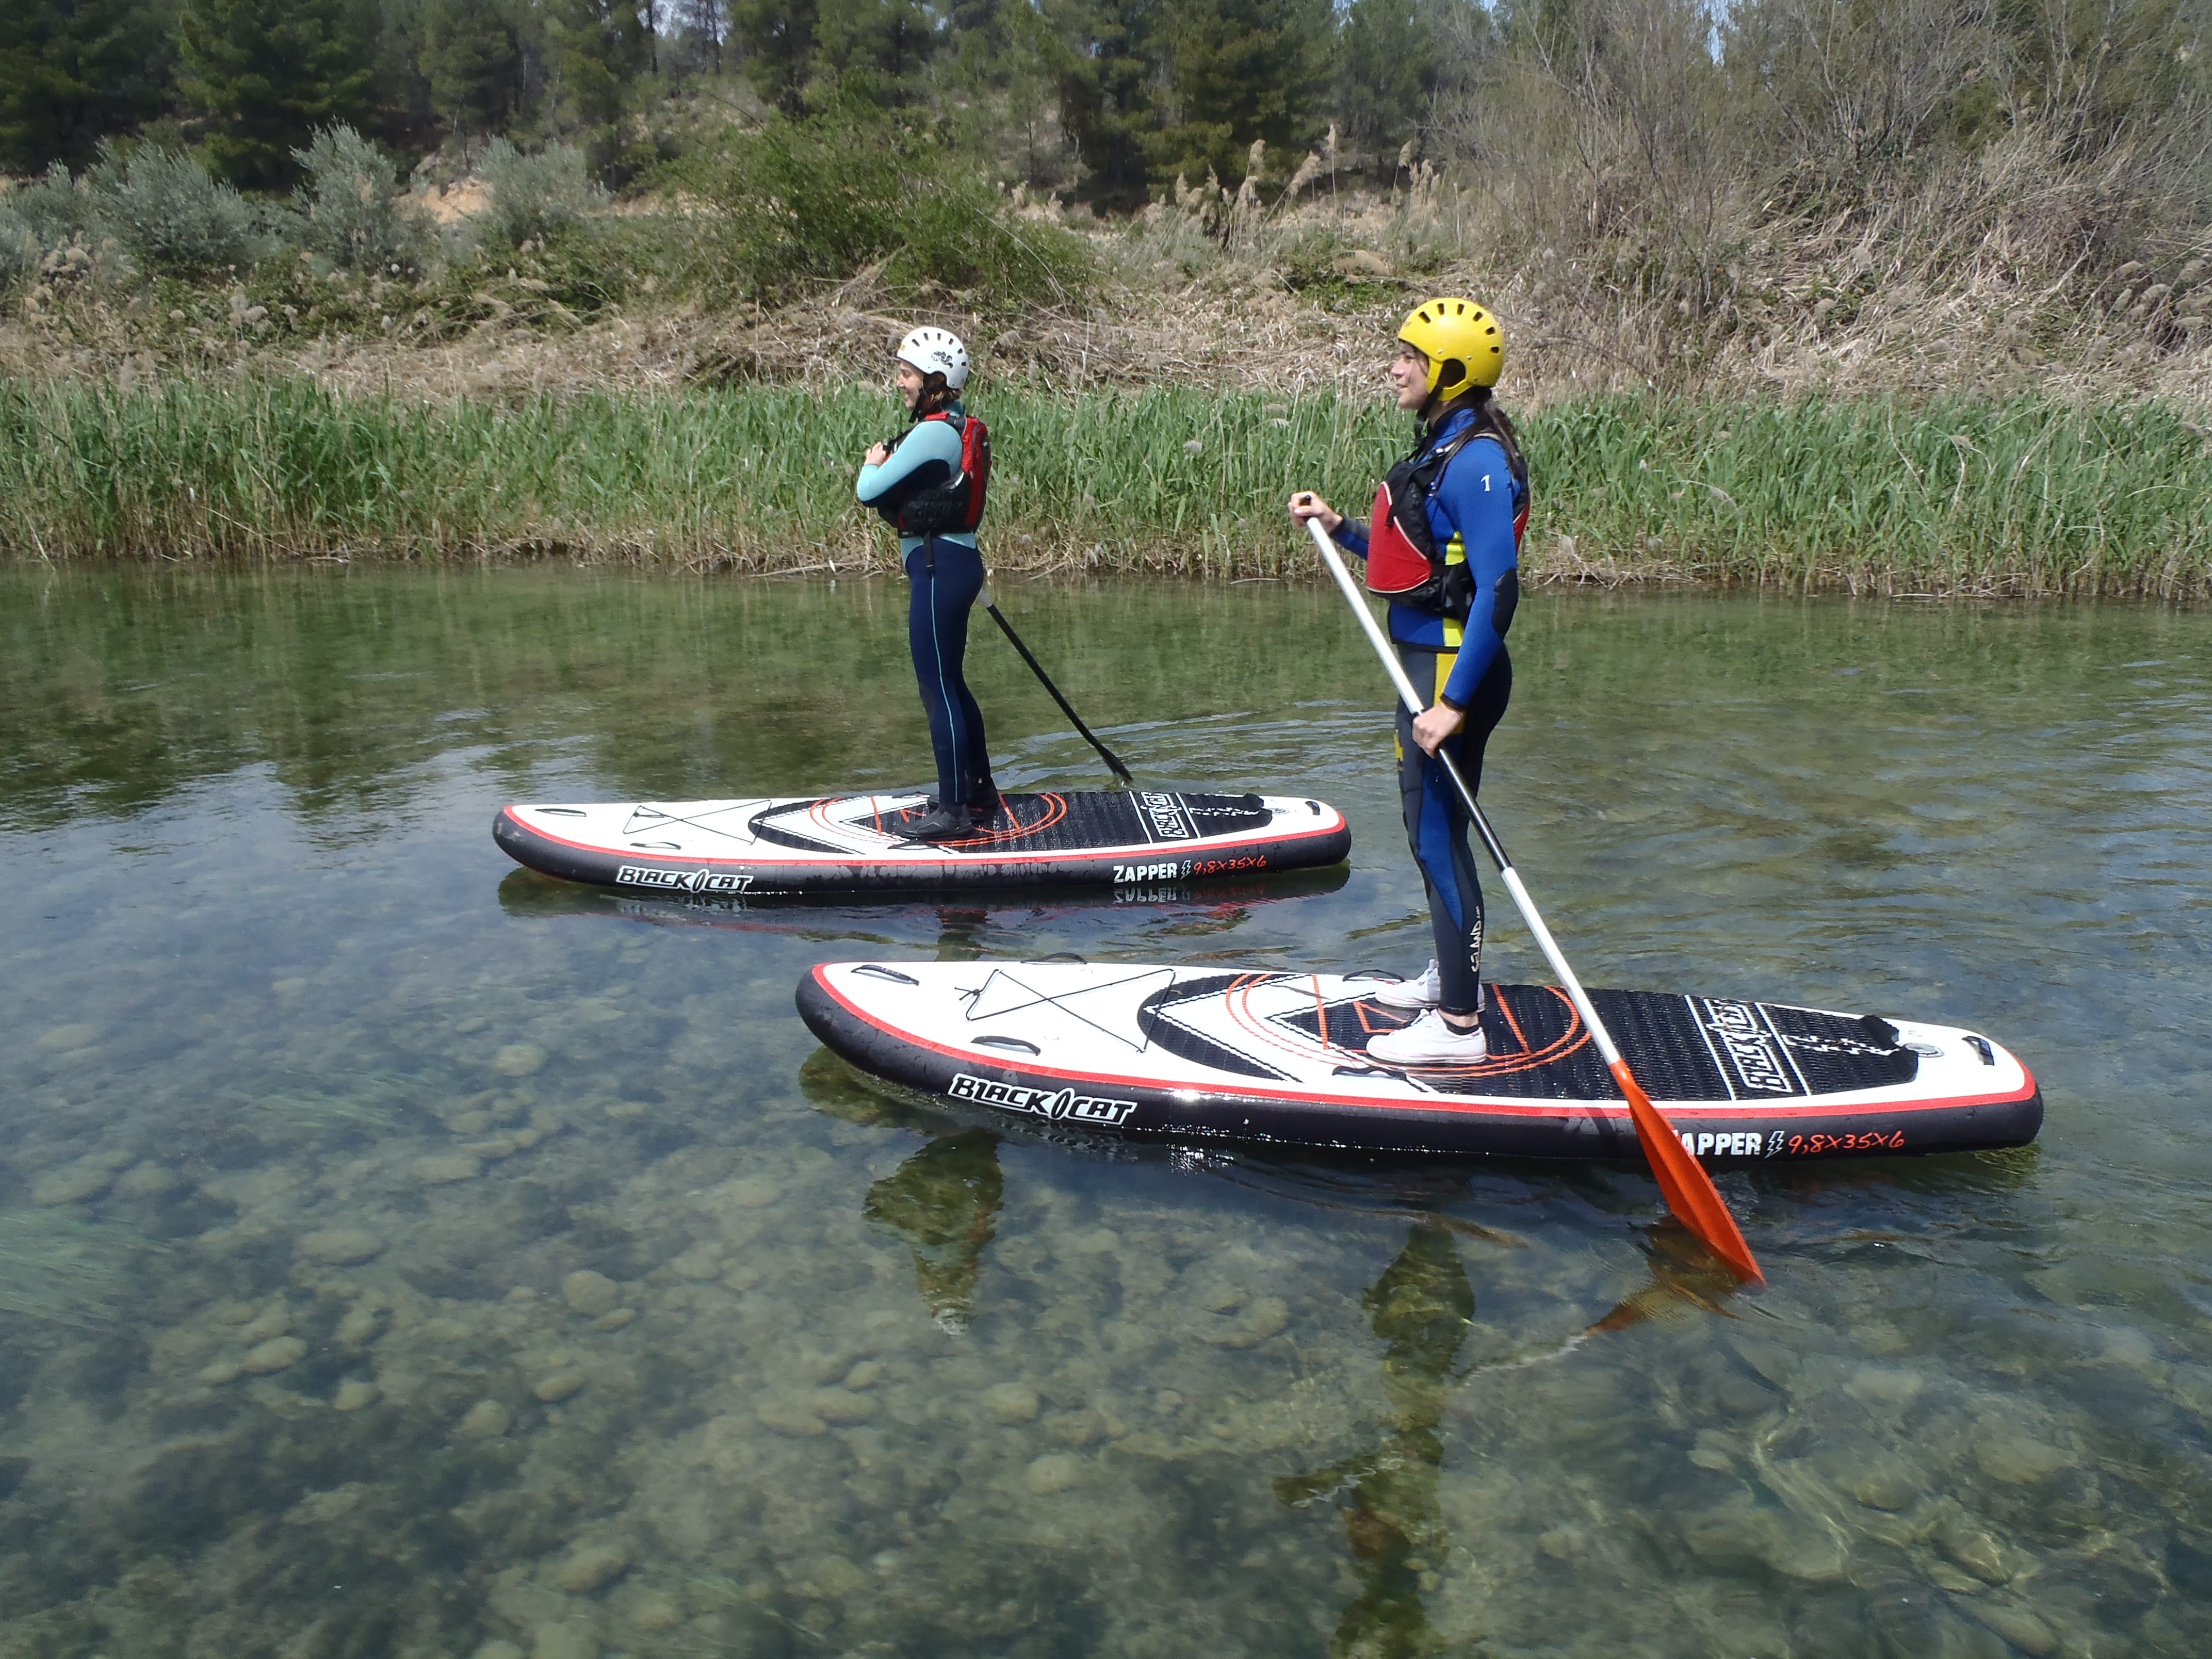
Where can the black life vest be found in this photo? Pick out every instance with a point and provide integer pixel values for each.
(1404, 563)
(956, 504)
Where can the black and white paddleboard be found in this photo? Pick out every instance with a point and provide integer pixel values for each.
(1279, 1057)
(857, 844)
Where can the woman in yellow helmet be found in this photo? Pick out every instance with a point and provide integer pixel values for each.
(1443, 548)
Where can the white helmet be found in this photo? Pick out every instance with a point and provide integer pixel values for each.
(936, 351)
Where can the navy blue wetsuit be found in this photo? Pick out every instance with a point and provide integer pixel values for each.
(1464, 663)
(945, 572)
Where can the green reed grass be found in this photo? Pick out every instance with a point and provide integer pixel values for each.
(2032, 496)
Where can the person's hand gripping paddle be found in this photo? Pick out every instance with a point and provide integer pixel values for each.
(1689, 1191)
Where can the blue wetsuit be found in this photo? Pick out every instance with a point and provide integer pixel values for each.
(1465, 664)
(946, 573)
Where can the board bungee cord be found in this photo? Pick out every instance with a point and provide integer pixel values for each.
(1689, 1191)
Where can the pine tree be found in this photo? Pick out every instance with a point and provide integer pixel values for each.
(483, 61)
(778, 38)
(1105, 55)
(73, 72)
(269, 72)
(1241, 70)
(700, 27)
(873, 49)
(1393, 59)
(601, 48)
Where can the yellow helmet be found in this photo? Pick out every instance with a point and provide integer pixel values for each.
(1452, 332)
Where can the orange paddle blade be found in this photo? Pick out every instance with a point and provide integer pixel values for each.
(1689, 1191)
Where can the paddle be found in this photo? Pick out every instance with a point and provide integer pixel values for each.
(1689, 1191)
(1112, 760)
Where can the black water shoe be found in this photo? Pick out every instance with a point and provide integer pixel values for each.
(940, 823)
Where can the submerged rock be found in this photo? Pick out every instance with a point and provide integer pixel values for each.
(593, 1568)
(754, 1193)
(359, 1325)
(558, 1387)
(485, 1420)
(275, 1355)
(1011, 1402)
(148, 1181)
(77, 1184)
(2015, 1624)
(701, 1262)
(1054, 1471)
(590, 1294)
(788, 1416)
(518, 1058)
(270, 1322)
(443, 1168)
(353, 1393)
(841, 1405)
(1265, 1318)
(341, 1247)
(569, 1640)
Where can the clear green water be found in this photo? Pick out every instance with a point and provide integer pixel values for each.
(298, 1067)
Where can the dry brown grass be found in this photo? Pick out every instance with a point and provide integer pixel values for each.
(1997, 276)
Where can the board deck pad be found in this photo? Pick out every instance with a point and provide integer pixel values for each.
(1280, 1057)
(847, 843)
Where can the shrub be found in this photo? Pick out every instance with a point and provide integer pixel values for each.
(819, 200)
(51, 207)
(169, 215)
(533, 196)
(20, 251)
(354, 217)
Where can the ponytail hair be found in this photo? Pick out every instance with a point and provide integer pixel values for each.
(935, 395)
(1493, 422)
(1490, 420)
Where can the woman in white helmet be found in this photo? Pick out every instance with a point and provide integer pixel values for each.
(929, 485)
(1442, 546)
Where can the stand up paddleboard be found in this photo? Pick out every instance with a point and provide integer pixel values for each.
(1280, 1057)
(857, 844)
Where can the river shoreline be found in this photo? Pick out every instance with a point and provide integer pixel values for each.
(1968, 497)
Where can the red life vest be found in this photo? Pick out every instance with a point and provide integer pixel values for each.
(1404, 563)
(956, 504)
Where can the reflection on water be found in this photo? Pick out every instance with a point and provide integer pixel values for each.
(403, 1254)
(1421, 1309)
(944, 1203)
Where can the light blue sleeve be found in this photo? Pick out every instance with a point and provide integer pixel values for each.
(925, 441)
(1476, 494)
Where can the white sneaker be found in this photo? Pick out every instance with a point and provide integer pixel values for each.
(1425, 992)
(1430, 1041)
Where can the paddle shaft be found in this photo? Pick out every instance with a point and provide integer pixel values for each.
(1695, 1207)
(1112, 760)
